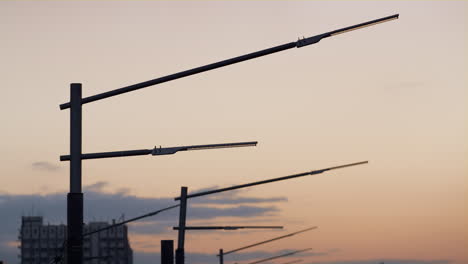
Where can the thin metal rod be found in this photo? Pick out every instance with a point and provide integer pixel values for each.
(180, 251)
(227, 227)
(131, 220)
(270, 180)
(212, 66)
(280, 256)
(270, 240)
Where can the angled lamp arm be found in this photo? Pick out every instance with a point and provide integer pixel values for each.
(271, 180)
(219, 64)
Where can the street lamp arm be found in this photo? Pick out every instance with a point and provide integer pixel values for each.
(158, 151)
(131, 220)
(268, 241)
(270, 180)
(299, 43)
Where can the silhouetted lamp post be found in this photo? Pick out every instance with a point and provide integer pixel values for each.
(180, 251)
(75, 196)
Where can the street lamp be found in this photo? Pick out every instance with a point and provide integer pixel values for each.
(222, 253)
(75, 196)
(180, 251)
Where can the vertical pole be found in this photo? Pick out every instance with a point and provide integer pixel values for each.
(180, 254)
(221, 257)
(75, 196)
(167, 251)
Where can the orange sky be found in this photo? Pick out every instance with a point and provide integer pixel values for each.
(394, 94)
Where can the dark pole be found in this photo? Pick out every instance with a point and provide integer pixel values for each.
(167, 251)
(221, 255)
(180, 254)
(75, 196)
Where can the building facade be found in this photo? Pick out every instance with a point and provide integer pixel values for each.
(40, 244)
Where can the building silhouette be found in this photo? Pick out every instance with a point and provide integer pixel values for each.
(40, 244)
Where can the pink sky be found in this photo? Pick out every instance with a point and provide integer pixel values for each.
(394, 94)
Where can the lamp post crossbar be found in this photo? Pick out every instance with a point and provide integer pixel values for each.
(299, 43)
(270, 180)
(268, 241)
(159, 151)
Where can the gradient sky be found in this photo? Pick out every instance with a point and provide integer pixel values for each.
(394, 94)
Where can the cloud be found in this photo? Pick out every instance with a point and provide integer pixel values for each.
(232, 197)
(44, 166)
(104, 206)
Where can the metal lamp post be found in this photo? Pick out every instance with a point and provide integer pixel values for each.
(180, 251)
(75, 196)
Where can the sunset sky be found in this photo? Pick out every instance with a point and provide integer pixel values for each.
(394, 94)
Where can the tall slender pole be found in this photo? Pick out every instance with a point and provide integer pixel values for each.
(180, 254)
(75, 196)
(221, 256)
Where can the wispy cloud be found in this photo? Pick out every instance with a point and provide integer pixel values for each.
(44, 166)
